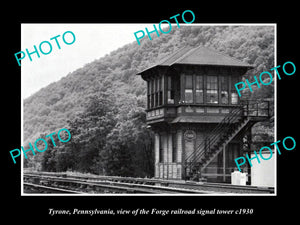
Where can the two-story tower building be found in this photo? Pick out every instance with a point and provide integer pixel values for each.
(196, 114)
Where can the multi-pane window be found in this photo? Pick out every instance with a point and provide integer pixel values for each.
(199, 89)
(155, 93)
(234, 95)
(152, 93)
(148, 95)
(188, 91)
(212, 89)
(170, 91)
(160, 91)
(224, 89)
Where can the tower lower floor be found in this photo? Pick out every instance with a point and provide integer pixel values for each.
(174, 144)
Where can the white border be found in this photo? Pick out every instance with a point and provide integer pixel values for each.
(150, 195)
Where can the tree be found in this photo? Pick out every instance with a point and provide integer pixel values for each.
(130, 147)
(90, 130)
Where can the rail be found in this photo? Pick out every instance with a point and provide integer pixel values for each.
(70, 185)
(50, 189)
(111, 184)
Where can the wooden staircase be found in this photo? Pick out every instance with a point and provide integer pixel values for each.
(239, 119)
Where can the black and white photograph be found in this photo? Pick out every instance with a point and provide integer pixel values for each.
(162, 117)
(176, 114)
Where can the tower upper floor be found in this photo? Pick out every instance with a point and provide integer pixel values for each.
(192, 85)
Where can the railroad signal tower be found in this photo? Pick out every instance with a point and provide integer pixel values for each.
(197, 117)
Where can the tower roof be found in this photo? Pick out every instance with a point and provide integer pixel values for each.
(199, 56)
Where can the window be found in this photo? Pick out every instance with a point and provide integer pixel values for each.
(148, 95)
(170, 91)
(234, 95)
(212, 89)
(199, 89)
(234, 98)
(189, 96)
(188, 92)
(160, 92)
(152, 93)
(156, 92)
(224, 89)
(174, 148)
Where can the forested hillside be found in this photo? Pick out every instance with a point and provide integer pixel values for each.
(103, 103)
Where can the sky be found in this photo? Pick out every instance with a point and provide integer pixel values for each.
(92, 42)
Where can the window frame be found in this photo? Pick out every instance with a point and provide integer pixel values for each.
(200, 88)
(195, 89)
(170, 90)
(233, 80)
(224, 86)
(210, 87)
(189, 89)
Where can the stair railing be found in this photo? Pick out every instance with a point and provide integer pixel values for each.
(223, 129)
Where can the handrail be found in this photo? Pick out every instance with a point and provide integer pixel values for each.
(203, 149)
(248, 108)
(216, 135)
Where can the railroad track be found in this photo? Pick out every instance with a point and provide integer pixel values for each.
(47, 189)
(109, 184)
(76, 185)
